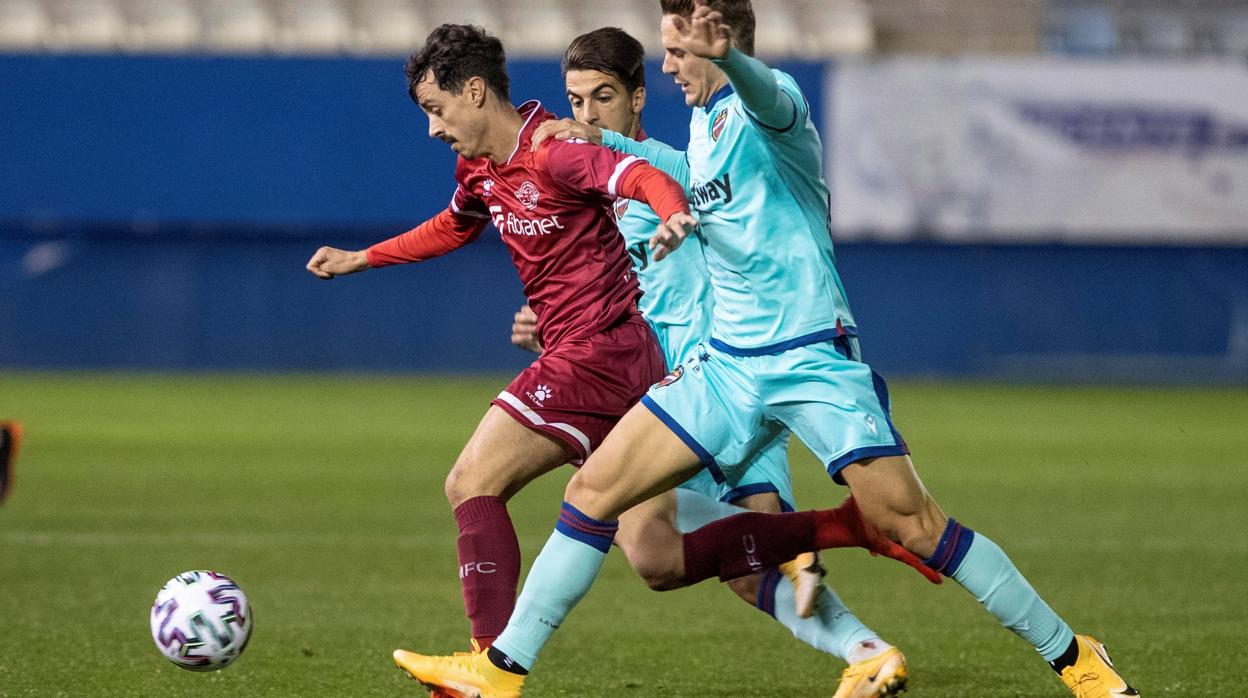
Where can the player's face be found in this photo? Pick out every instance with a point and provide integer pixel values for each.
(697, 77)
(454, 119)
(602, 100)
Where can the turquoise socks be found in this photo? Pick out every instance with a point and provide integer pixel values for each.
(982, 568)
(832, 629)
(561, 575)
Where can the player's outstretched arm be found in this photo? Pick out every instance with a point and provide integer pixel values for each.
(706, 35)
(445, 232)
(329, 262)
(674, 163)
(584, 167)
(671, 161)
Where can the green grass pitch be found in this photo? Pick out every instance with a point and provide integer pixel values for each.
(322, 496)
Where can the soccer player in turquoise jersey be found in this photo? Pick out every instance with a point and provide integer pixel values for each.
(783, 354)
(604, 73)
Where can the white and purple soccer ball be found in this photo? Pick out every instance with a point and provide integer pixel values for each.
(201, 620)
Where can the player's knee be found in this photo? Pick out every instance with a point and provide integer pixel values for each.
(581, 491)
(461, 485)
(918, 531)
(658, 575)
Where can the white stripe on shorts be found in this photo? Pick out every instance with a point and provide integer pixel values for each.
(537, 420)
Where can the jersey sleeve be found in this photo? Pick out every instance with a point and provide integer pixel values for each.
(435, 237)
(586, 169)
(652, 187)
(771, 98)
(459, 224)
(673, 162)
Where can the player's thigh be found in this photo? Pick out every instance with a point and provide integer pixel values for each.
(502, 456)
(649, 539)
(894, 499)
(712, 404)
(838, 407)
(639, 459)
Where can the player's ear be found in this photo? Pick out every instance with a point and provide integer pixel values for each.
(639, 99)
(475, 89)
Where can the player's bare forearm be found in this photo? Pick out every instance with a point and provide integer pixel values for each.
(330, 262)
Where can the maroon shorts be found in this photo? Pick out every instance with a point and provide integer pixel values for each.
(577, 391)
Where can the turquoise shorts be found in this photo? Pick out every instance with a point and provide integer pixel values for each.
(729, 408)
(768, 471)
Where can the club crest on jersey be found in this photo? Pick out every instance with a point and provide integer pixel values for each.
(528, 195)
(717, 126)
(671, 377)
(621, 207)
(487, 188)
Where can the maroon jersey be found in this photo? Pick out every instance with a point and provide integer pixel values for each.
(553, 210)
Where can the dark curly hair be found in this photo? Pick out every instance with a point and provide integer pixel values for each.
(608, 50)
(737, 13)
(455, 53)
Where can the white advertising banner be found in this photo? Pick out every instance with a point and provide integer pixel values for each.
(1039, 150)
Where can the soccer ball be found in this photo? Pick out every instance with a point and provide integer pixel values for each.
(201, 620)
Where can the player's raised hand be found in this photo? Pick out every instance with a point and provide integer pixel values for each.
(671, 233)
(565, 129)
(329, 262)
(705, 34)
(524, 330)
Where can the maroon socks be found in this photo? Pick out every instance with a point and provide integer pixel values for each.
(489, 565)
(747, 543)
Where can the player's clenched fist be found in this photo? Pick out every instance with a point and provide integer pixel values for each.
(524, 330)
(670, 234)
(329, 262)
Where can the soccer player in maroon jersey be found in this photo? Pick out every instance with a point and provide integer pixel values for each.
(552, 209)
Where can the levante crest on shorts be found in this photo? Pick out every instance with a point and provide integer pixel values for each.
(717, 126)
(671, 377)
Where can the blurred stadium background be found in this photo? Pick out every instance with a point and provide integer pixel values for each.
(1027, 194)
(1029, 189)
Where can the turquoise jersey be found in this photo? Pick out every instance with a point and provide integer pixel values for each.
(762, 205)
(676, 297)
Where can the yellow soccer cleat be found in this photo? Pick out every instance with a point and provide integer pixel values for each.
(882, 675)
(1093, 674)
(806, 575)
(464, 675)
